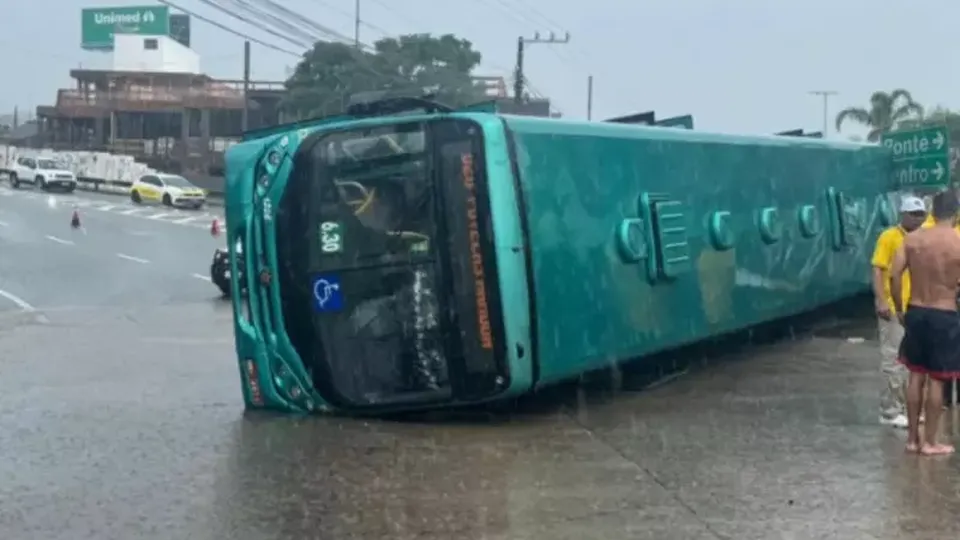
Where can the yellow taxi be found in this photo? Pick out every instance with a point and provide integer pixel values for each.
(167, 189)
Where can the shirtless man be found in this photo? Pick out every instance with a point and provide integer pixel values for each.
(931, 344)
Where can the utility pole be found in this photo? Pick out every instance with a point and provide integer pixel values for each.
(826, 97)
(356, 24)
(245, 122)
(590, 97)
(521, 43)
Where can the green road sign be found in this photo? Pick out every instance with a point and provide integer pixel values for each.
(925, 172)
(98, 25)
(180, 28)
(921, 158)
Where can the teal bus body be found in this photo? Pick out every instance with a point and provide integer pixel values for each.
(759, 228)
(581, 245)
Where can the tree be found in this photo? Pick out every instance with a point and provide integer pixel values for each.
(330, 73)
(324, 79)
(939, 116)
(886, 111)
(442, 64)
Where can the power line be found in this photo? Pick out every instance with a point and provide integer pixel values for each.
(268, 13)
(263, 14)
(388, 8)
(353, 15)
(524, 19)
(255, 24)
(515, 14)
(361, 47)
(541, 15)
(228, 29)
(537, 20)
(220, 7)
(325, 30)
(359, 56)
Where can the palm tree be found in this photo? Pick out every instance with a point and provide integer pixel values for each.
(885, 112)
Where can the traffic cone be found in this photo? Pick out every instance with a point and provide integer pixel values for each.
(215, 227)
(75, 219)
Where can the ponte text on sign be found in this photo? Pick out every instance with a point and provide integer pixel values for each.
(921, 157)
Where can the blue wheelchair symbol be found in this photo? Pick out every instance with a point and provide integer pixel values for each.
(327, 296)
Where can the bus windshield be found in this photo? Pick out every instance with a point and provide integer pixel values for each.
(359, 213)
(385, 292)
(376, 182)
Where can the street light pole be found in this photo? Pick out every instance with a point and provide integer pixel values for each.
(590, 97)
(826, 97)
(356, 24)
(518, 80)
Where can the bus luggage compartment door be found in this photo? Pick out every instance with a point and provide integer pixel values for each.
(668, 248)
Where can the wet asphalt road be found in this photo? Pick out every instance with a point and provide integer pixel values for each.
(120, 418)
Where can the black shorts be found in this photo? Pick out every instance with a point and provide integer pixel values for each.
(931, 342)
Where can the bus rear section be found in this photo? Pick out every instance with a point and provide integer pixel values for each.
(385, 288)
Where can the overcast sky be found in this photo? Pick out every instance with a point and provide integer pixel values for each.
(735, 65)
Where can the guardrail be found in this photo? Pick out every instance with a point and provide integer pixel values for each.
(117, 187)
(209, 96)
(122, 187)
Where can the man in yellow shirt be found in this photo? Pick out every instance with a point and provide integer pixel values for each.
(893, 395)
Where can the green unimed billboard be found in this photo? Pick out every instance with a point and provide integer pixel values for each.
(98, 25)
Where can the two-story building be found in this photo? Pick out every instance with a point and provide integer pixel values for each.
(156, 105)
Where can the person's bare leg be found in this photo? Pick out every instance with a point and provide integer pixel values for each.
(933, 409)
(915, 387)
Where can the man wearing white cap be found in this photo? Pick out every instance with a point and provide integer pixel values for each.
(893, 394)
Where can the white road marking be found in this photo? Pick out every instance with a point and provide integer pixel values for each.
(132, 258)
(201, 276)
(176, 216)
(59, 240)
(20, 302)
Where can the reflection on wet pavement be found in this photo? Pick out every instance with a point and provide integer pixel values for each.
(118, 424)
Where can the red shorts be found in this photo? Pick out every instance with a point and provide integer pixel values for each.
(938, 375)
